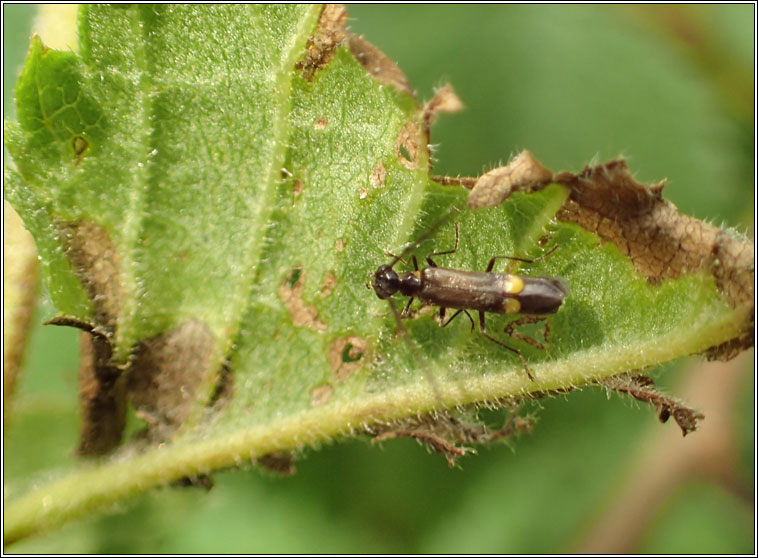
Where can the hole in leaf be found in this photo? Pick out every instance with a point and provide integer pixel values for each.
(294, 276)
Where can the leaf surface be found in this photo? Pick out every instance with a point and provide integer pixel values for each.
(212, 207)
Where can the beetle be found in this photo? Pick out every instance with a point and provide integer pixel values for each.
(480, 291)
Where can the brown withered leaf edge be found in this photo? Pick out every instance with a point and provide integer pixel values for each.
(643, 389)
(444, 433)
(661, 242)
(163, 373)
(330, 33)
(102, 390)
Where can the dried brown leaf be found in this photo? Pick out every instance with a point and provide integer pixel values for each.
(444, 101)
(523, 173)
(443, 432)
(101, 386)
(643, 389)
(661, 242)
(102, 389)
(330, 33)
(378, 64)
(96, 264)
(102, 397)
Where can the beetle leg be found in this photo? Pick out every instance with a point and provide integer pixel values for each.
(524, 260)
(510, 330)
(394, 257)
(429, 259)
(407, 308)
(443, 323)
(483, 331)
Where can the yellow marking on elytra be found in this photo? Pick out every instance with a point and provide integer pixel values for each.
(514, 284)
(417, 274)
(512, 306)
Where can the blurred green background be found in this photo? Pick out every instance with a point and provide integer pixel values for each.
(670, 88)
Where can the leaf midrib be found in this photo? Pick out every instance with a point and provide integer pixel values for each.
(134, 218)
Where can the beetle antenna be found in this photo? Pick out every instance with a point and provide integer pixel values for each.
(426, 236)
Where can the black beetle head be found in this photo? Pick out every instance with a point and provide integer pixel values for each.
(385, 282)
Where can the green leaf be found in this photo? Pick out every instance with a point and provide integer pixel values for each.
(212, 207)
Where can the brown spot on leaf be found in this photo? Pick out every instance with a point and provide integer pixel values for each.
(378, 175)
(643, 389)
(320, 123)
(661, 242)
(96, 263)
(297, 190)
(330, 280)
(340, 246)
(414, 136)
(378, 64)
(165, 373)
(329, 33)
(321, 395)
(408, 143)
(346, 355)
(291, 293)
